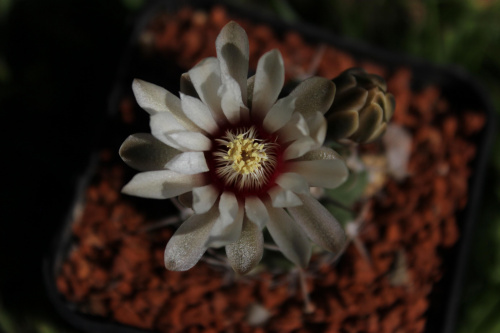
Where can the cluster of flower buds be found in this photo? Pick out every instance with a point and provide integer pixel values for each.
(362, 107)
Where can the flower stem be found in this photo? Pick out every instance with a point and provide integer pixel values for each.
(271, 247)
(215, 262)
(161, 223)
(308, 305)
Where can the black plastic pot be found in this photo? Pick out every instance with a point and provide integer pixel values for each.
(459, 88)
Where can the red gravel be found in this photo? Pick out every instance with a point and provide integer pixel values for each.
(115, 269)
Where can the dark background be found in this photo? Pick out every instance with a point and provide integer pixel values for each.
(58, 61)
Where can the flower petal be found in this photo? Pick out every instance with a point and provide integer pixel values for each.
(186, 199)
(231, 102)
(299, 147)
(144, 152)
(256, 211)
(294, 129)
(187, 245)
(317, 127)
(189, 141)
(353, 100)
(377, 133)
(389, 106)
(370, 119)
(204, 198)
(279, 114)
(164, 126)
(322, 167)
(155, 99)
(269, 79)
(342, 124)
(250, 84)
(320, 226)
(246, 253)
(283, 198)
(187, 87)
(323, 153)
(293, 182)
(232, 51)
(289, 237)
(227, 228)
(188, 163)
(164, 122)
(313, 95)
(205, 77)
(199, 113)
(162, 184)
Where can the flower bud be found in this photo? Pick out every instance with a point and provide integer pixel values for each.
(362, 107)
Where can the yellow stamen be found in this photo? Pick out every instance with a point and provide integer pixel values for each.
(243, 160)
(245, 154)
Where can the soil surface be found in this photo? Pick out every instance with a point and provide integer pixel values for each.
(115, 266)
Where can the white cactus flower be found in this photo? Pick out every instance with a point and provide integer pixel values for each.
(246, 157)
